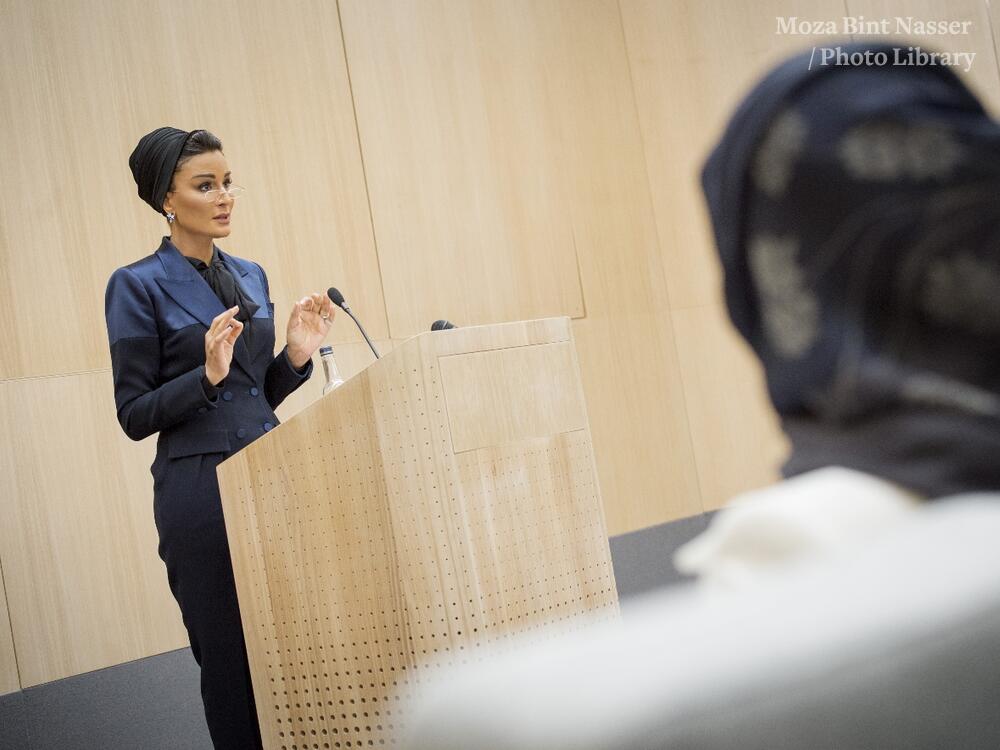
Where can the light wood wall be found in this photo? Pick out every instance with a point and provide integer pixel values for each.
(9, 680)
(479, 160)
(77, 539)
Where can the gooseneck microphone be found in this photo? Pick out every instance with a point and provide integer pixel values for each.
(442, 325)
(338, 299)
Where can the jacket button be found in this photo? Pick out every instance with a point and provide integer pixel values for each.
(202, 409)
(241, 433)
(268, 426)
(254, 391)
(227, 396)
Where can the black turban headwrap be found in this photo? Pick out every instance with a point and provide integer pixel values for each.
(153, 163)
(856, 210)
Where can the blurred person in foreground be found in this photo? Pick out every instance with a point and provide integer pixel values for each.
(856, 211)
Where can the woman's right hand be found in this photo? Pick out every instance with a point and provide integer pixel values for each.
(219, 341)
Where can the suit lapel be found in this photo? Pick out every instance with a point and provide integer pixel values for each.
(252, 290)
(187, 288)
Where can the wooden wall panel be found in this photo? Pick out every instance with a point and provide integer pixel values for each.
(87, 79)
(9, 680)
(993, 9)
(462, 107)
(85, 586)
(463, 146)
(691, 63)
(737, 438)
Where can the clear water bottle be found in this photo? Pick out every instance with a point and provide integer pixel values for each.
(333, 378)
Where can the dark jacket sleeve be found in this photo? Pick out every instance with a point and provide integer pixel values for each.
(145, 405)
(281, 378)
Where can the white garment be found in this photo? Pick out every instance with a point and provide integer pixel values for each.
(806, 517)
(874, 621)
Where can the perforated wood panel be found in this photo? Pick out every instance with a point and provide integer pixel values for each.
(366, 549)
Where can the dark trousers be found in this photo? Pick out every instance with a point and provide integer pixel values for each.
(194, 547)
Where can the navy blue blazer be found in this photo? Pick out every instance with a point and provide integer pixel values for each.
(158, 310)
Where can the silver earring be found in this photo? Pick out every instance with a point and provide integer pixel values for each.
(170, 217)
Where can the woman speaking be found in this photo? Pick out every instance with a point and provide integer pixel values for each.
(191, 331)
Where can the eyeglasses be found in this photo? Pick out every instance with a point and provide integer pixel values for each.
(233, 191)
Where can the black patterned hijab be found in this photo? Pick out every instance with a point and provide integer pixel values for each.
(857, 216)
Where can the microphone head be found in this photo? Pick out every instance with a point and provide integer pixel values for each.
(441, 325)
(334, 294)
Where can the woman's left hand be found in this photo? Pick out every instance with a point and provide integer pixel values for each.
(308, 325)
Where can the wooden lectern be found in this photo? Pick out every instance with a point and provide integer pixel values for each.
(443, 499)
